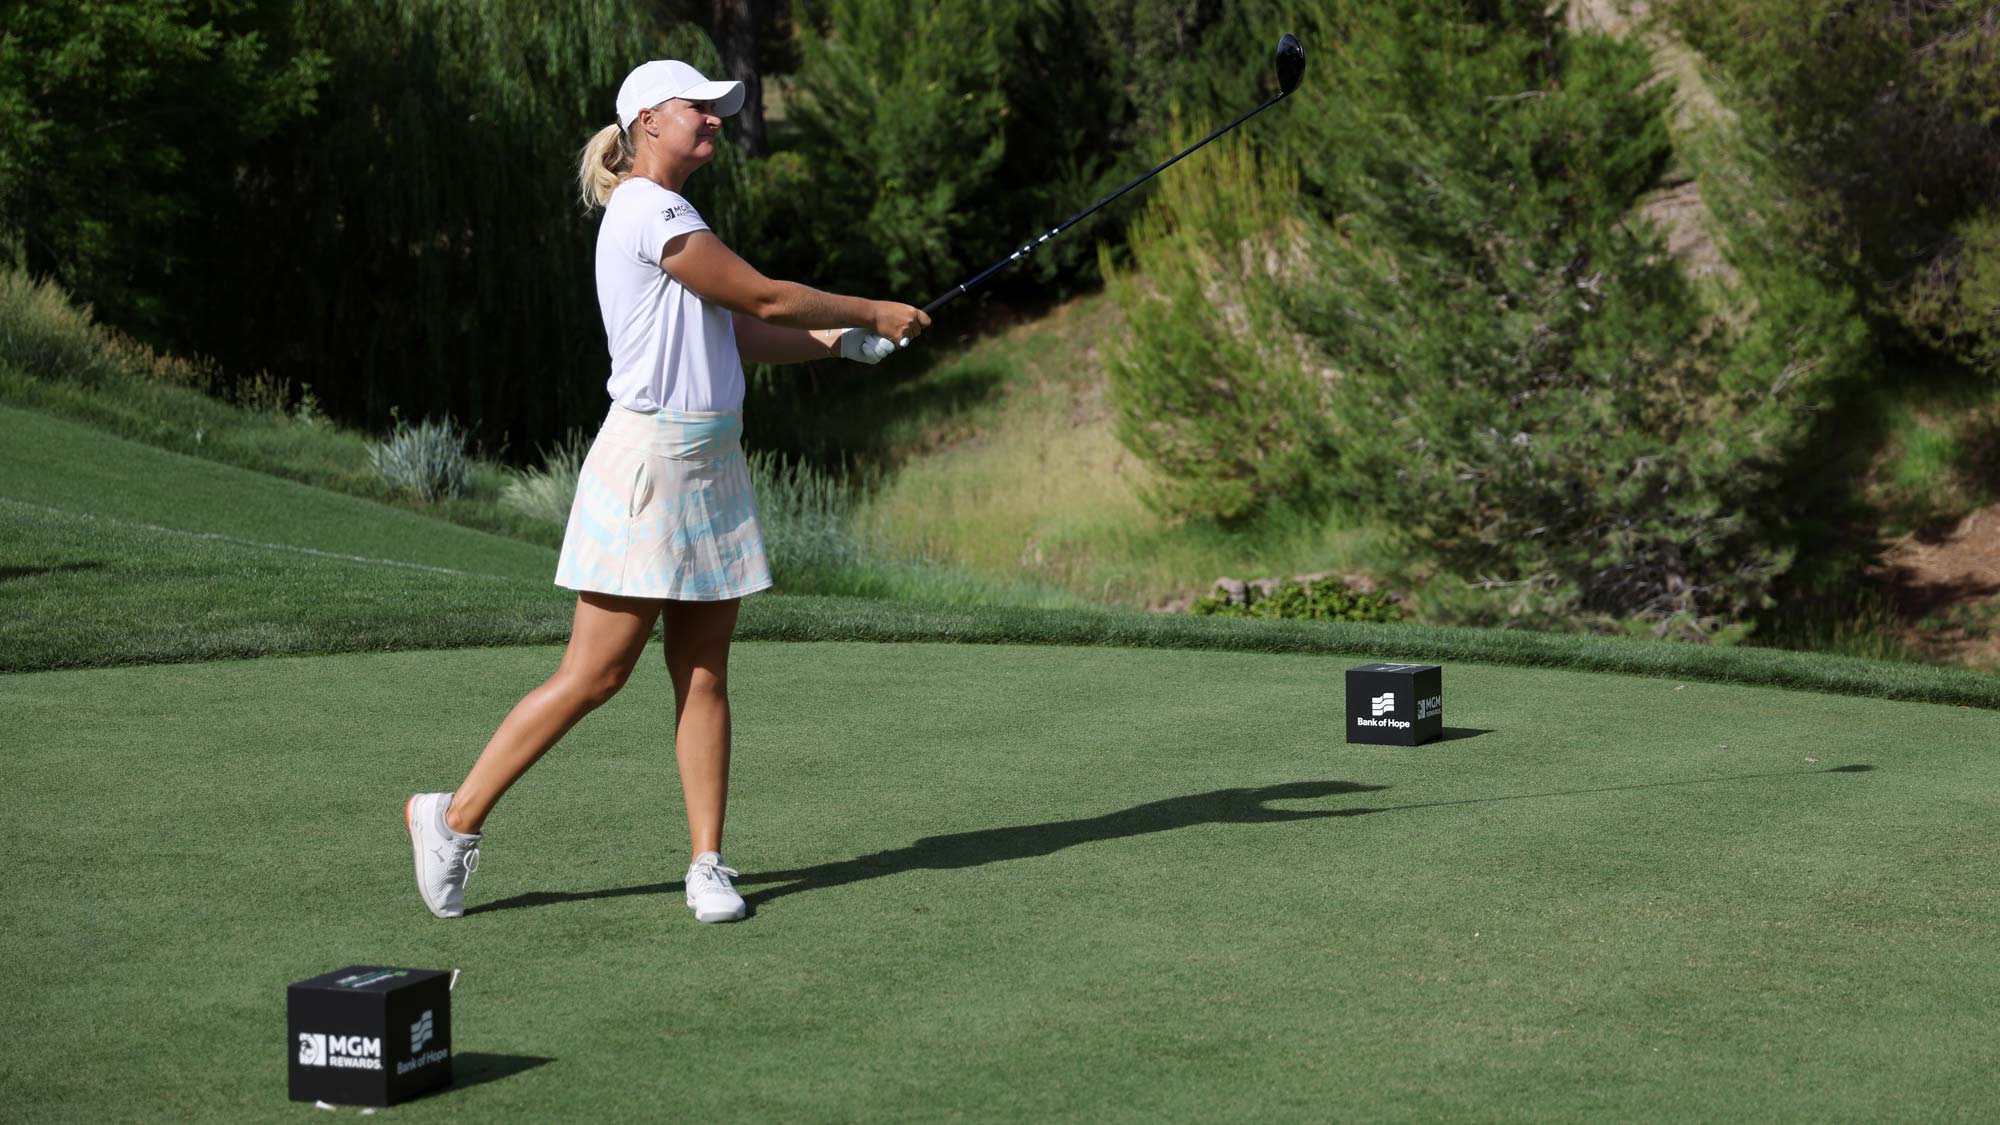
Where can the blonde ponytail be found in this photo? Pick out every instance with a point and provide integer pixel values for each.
(607, 162)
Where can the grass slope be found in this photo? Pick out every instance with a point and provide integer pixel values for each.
(309, 451)
(116, 553)
(1033, 483)
(853, 619)
(57, 464)
(1008, 882)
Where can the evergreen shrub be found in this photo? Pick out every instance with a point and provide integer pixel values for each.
(928, 162)
(43, 334)
(1884, 120)
(1519, 383)
(122, 131)
(1324, 599)
(1211, 384)
(46, 334)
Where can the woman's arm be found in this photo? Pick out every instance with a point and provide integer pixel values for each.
(760, 342)
(712, 270)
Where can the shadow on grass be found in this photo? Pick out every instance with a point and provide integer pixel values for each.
(998, 845)
(1026, 841)
(1859, 767)
(1453, 734)
(17, 573)
(476, 1068)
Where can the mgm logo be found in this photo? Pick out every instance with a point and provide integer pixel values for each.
(352, 1052)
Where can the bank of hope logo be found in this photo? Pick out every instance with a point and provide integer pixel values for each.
(421, 1032)
(1382, 704)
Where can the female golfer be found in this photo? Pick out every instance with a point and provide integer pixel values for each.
(664, 520)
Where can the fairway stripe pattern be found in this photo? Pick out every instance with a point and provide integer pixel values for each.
(218, 537)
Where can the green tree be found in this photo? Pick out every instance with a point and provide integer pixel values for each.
(1214, 387)
(1885, 120)
(421, 246)
(1520, 384)
(121, 124)
(927, 163)
(413, 242)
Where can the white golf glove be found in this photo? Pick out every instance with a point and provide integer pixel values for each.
(862, 346)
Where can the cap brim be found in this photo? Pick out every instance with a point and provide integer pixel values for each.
(727, 96)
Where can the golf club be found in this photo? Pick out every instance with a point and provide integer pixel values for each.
(1290, 60)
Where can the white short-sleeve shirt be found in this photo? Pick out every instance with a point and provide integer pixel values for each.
(669, 348)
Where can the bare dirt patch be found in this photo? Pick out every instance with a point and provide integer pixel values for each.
(1946, 586)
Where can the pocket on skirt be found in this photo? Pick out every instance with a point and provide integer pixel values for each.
(642, 488)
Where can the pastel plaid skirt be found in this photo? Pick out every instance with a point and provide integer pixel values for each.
(664, 509)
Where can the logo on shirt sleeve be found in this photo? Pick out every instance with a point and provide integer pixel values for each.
(682, 212)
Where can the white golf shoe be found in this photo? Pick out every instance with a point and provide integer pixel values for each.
(445, 859)
(709, 894)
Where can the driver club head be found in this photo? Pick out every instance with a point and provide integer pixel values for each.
(1291, 62)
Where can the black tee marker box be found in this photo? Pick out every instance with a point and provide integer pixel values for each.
(1395, 704)
(369, 1035)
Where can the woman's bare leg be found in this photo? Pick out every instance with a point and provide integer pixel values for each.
(605, 641)
(698, 636)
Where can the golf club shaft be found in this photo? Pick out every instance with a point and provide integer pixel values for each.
(969, 284)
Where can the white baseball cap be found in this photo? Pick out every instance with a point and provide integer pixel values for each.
(651, 83)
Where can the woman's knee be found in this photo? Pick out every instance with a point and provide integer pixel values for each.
(706, 684)
(593, 689)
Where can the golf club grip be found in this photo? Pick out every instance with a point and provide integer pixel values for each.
(941, 302)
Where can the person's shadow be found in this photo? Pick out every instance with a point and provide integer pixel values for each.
(997, 845)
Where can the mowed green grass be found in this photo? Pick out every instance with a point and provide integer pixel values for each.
(52, 463)
(116, 552)
(112, 552)
(1019, 882)
(989, 881)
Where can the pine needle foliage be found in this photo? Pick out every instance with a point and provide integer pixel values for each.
(120, 126)
(1211, 386)
(1526, 389)
(939, 136)
(1324, 599)
(1885, 120)
(1518, 382)
(433, 200)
